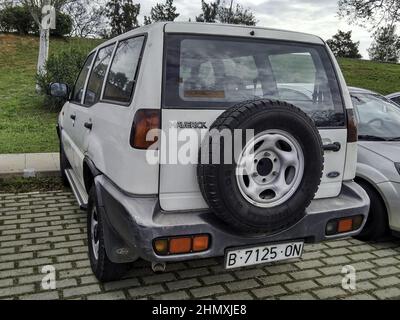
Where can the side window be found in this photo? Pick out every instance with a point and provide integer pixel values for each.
(80, 82)
(122, 76)
(97, 75)
(396, 99)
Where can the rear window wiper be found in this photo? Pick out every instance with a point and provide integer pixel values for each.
(371, 138)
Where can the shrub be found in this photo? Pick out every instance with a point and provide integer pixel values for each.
(17, 19)
(63, 25)
(62, 67)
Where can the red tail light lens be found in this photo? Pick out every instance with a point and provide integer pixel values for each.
(352, 132)
(145, 121)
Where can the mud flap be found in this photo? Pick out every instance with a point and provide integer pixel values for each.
(118, 251)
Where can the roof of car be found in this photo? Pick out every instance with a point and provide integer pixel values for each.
(219, 29)
(393, 95)
(353, 90)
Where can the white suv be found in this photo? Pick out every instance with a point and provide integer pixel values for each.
(146, 145)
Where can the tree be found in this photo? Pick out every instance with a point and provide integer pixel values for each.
(63, 25)
(226, 12)
(342, 45)
(374, 12)
(162, 12)
(123, 16)
(43, 12)
(210, 12)
(16, 19)
(87, 17)
(386, 45)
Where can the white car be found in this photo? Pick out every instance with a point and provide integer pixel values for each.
(378, 169)
(152, 107)
(395, 97)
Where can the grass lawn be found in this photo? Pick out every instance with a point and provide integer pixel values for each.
(28, 126)
(25, 124)
(380, 77)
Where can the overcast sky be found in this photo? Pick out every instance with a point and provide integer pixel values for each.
(312, 16)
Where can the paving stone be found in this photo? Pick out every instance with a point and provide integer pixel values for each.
(388, 293)
(236, 296)
(329, 293)
(243, 285)
(306, 274)
(279, 278)
(145, 290)
(218, 279)
(387, 281)
(299, 296)
(80, 291)
(183, 284)
(267, 292)
(301, 285)
(207, 291)
(116, 295)
(51, 295)
(178, 295)
(362, 296)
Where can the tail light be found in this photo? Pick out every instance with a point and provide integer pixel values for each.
(352, 132)
(145, 120)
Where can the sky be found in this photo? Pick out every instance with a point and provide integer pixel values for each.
(318, 17)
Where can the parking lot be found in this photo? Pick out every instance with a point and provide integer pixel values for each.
(40, 229)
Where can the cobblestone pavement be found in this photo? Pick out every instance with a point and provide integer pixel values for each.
(41, 229)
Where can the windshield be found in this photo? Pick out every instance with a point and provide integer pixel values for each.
(377, 117)
(218, 72)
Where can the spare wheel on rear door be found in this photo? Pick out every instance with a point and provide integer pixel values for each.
(276, 174)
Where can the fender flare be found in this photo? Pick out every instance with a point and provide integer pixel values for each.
(90, 172)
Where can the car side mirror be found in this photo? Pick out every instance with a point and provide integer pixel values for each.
(59, 90)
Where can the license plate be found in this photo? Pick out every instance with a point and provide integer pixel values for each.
(236, 258)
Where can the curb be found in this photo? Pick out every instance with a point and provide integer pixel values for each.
(29, 165)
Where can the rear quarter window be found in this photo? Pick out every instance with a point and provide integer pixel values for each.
(122, 76)
(217, 72)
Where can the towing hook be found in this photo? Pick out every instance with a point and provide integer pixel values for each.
(158, 267)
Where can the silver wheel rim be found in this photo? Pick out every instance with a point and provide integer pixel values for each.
(270, 168)
(94, 223)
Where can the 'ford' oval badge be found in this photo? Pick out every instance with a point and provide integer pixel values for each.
(333, 175)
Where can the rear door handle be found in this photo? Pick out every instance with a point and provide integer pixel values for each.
(73, 116)
(88, 125)
(335, 147)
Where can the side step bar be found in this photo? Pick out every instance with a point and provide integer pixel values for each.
(79, 192)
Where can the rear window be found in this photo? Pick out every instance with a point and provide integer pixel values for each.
(218, 72)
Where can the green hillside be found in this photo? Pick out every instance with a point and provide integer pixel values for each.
(380, 77)
(27, 126)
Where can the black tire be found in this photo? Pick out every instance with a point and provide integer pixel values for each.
(218, 182)
(102, 267)
(377, 225)
(64, 164)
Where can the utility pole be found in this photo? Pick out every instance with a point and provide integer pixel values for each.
(230, 12)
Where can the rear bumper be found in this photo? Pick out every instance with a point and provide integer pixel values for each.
(133, 223)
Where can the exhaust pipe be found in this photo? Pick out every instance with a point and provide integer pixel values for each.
(158, 267)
